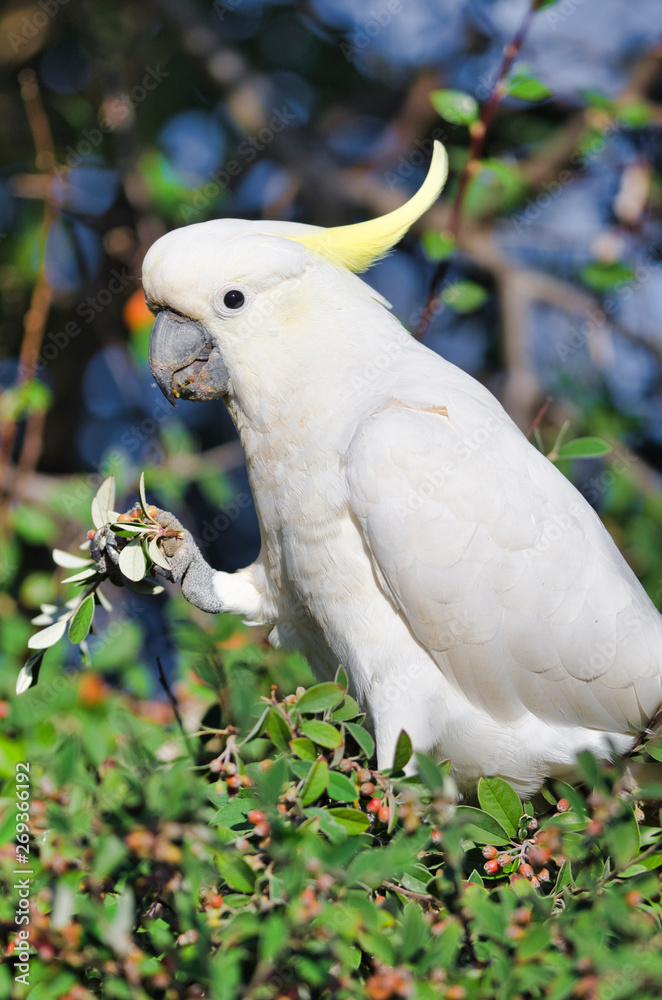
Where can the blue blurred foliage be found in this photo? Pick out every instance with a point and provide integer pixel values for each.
(169, 113)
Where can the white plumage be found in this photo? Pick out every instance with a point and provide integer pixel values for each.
(409, 530)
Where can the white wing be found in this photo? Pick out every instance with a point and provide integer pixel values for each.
(501, 569)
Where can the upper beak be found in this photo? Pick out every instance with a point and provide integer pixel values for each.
(184, 359)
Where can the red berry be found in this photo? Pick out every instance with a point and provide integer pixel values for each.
(91, 533)
(383, 814)
(374, 805)
(491, 867)
(526, 870)
(490, 851)
(562, 805)
(256, 816)
(234, 781)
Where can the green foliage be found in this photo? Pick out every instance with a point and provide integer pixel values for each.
(250, 858)
(455, 106)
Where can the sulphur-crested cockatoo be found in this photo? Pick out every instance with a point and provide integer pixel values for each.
(409, 529)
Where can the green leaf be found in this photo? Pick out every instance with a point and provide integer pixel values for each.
(341, 788)
(316, 783)
(464, 296)
(69, 561)
(321, 733)
(303, 748)
(501, 801)
(455, 106)
(320, 697)
(143, 498)
(85, 574)
(156, 555)
(403, 751)
(280, 733)
(236, 872)
(584, 447)
(29, 674)
(33, 525)
(353, 820)
(526, 88)
(603, 276)
(648, 864)
(48, 636)
(132, 561)
(81, 620)
(348, 709)
(429, 772)
(497, 187)
(438, 246)
(362, 737)
(480, 826)
(103, 503)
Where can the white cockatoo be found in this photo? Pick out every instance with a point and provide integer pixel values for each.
(409, 529)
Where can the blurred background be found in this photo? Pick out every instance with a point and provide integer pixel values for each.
(539, 272)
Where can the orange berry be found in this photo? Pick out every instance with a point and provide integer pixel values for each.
(383, 814)
(562, 805)
(262, 829)
(526, 870)
(152, 510)
(504, 860)
(91, 533)
(136, 514)
(256, 816)
(490, 851)
(233, 781)
(123, 518)
(491, 867)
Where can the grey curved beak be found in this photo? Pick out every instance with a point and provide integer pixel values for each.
(184, 359)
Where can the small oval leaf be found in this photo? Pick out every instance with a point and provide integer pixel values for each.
(81, 620)
(29, 673)
(69, 561)
(103, 504)
(132, 562)
(321, 733)
(341, 788)
(353, 820)
(320, 697)
(480, 826)
(403, 751)
(455, 106)
(584, 447)
(48, 636)
(316, 782)
(362, 737)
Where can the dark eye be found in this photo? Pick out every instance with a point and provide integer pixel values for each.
(233, 299)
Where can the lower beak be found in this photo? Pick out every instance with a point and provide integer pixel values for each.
(184, 359)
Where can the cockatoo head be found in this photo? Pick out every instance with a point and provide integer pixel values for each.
(224, 291)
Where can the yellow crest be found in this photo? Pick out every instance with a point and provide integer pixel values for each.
(358, 246)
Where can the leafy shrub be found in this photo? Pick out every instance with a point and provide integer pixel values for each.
(262, 855)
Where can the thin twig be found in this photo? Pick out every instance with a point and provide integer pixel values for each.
(171, 697)
(537, 420)
(478, 132)
(34, 323)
